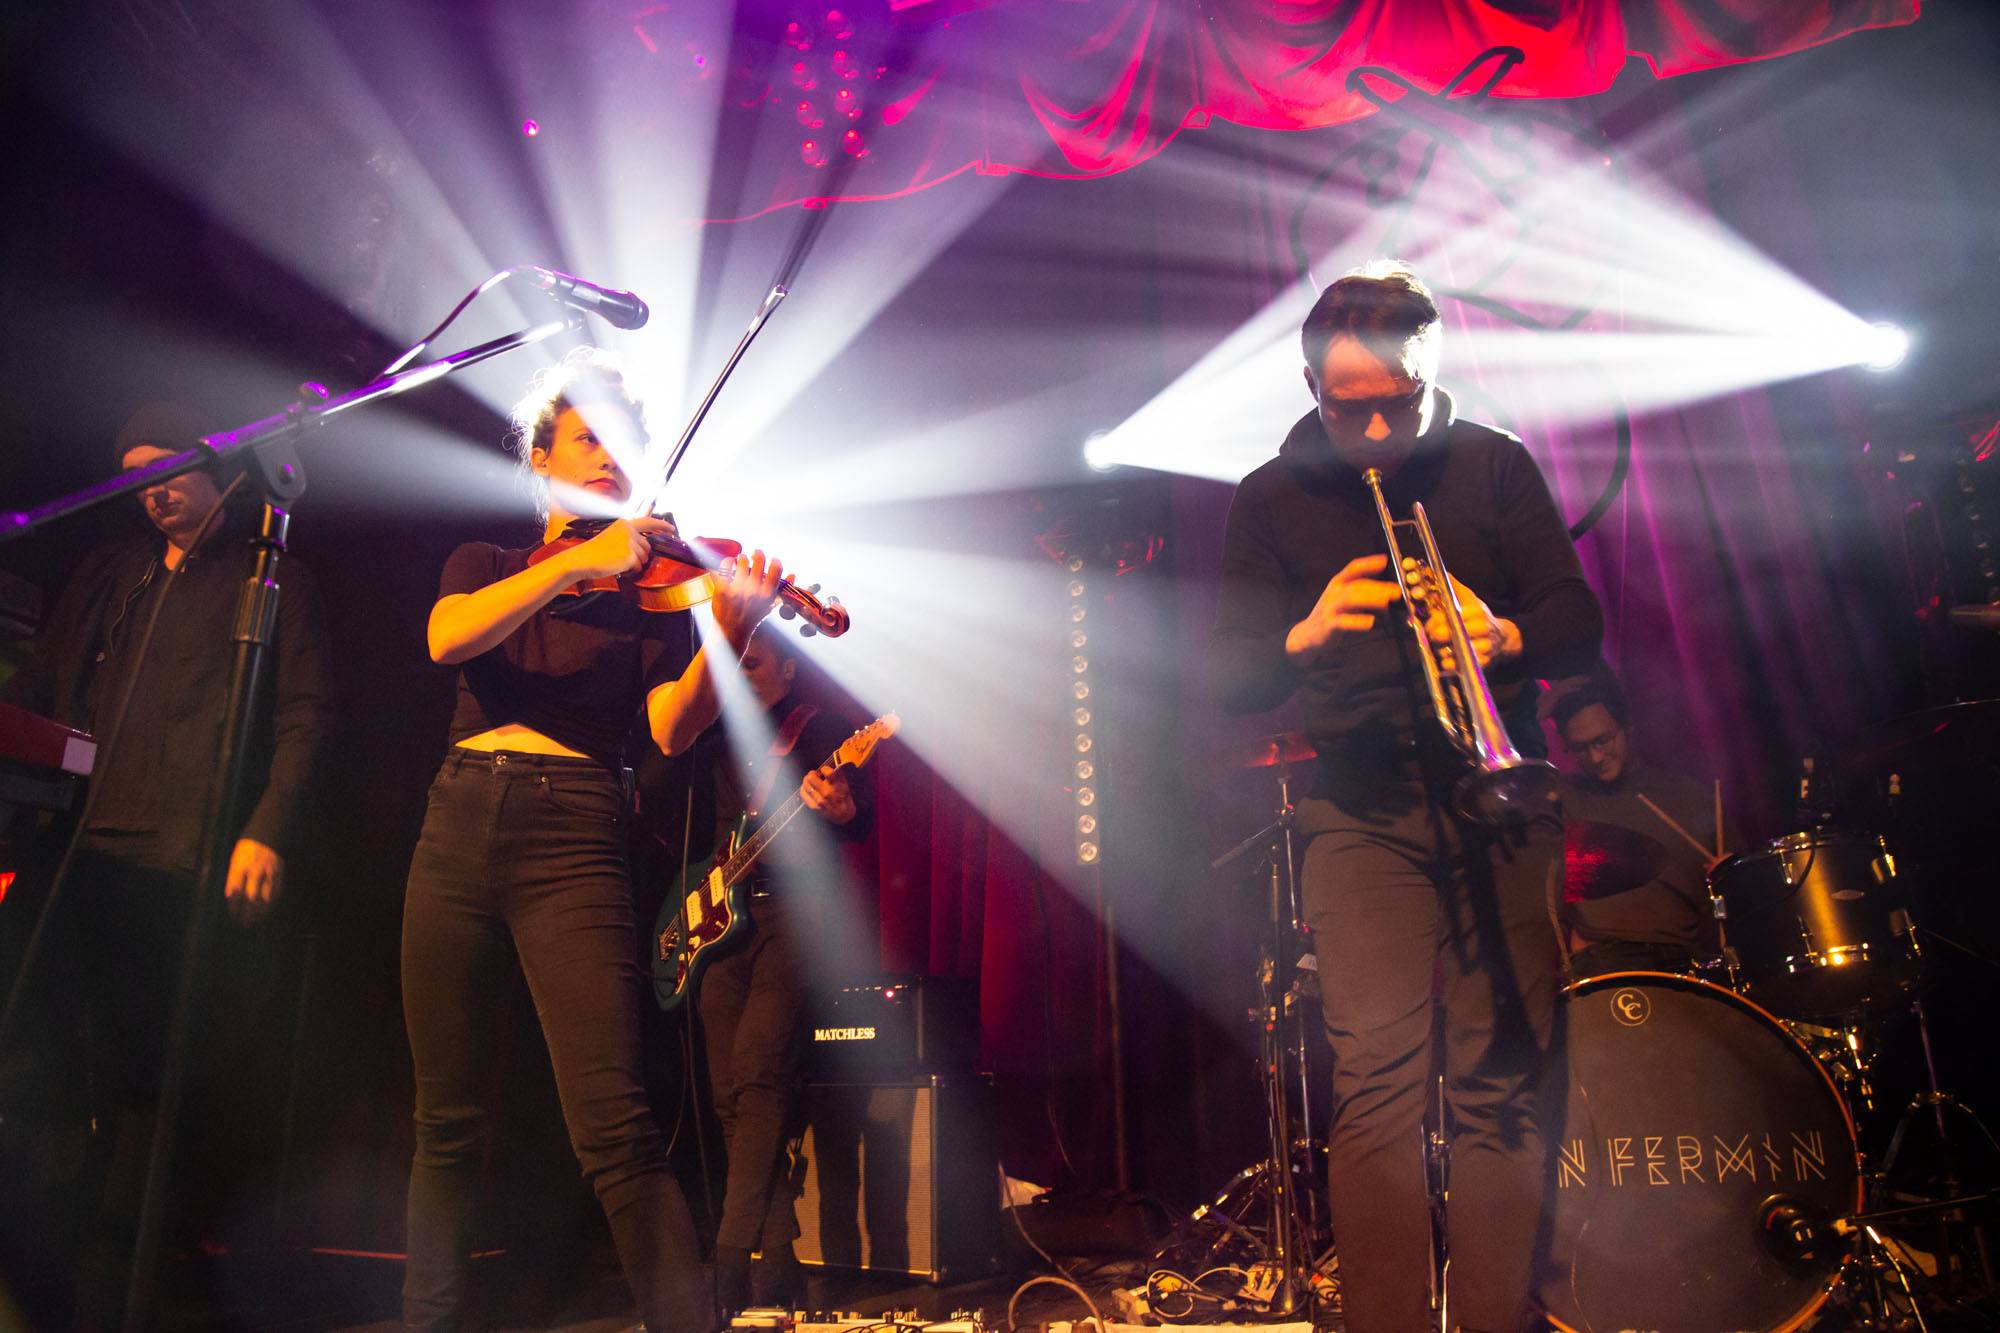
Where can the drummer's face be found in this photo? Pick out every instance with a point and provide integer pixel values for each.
(1597, 741)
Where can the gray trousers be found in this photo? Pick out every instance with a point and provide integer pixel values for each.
(1413, 914)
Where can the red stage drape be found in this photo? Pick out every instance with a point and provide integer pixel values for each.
(1083, 88)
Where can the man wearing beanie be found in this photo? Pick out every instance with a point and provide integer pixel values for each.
(123, 909)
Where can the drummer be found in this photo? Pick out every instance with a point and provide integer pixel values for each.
(1637, 897)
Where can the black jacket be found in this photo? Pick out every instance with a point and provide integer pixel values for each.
(1298, 519)
(155, 779)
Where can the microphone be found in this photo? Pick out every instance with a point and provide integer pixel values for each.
(621, 310)
(1795, 1231)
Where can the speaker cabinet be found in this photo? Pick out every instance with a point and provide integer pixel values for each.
(902, 1176)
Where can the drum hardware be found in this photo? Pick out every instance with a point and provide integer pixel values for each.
(1234, 1229)
(1847, 1061)
(1732, 963)
(1294, 1237)
(1798, 1232)
(1882, 1281)
(1936, 1101)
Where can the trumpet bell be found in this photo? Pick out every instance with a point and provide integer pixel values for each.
(1515, 794)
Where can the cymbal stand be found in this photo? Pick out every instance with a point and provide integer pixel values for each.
(1294, 1213)
(1937, 1102)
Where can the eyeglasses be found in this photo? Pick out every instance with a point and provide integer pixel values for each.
(1364, 409)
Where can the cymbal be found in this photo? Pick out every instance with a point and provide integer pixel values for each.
(1600, 860)
(1953, 736)
(1286, 747)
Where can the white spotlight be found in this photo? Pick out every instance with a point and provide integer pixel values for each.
(1887, 345)
(1096, 454)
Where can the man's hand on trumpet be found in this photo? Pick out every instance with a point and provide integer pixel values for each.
(1348, 604)
(1494, 639)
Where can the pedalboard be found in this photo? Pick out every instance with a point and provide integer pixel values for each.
(837, 1321)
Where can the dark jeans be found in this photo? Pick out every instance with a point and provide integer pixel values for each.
(1408, 908)
(523, 856)
(87, 1076)
(752, 1004)
(80, 1092)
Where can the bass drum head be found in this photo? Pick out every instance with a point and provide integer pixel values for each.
(1688, 1108)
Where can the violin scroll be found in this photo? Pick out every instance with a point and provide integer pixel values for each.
(822, 615)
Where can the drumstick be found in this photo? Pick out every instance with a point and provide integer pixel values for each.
(1668, 820)
(1720, 850)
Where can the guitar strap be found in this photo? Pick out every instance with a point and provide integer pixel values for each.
(781, 746)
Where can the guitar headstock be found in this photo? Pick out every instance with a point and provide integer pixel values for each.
(859, 748)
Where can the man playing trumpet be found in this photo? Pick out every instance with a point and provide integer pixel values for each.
(1412, 904)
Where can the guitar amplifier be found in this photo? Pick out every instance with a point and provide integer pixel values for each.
(902, 1176)
(917, 1023)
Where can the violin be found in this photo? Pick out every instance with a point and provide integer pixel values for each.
(681, 574)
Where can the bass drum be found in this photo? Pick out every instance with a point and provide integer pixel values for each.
(1689, 1108)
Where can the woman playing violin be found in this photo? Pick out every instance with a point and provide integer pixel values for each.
(522, 852)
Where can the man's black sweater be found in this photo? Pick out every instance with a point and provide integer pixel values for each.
(160, 765)
(1299, 519)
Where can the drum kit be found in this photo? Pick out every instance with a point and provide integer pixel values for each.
(1718, 1161)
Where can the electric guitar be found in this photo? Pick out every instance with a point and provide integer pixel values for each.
(696, 923)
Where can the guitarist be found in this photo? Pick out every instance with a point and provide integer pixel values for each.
(751, 998)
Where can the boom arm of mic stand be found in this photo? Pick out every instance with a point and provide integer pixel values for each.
(291, 422)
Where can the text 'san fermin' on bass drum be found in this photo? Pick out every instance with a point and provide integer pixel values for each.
(1689, 1112)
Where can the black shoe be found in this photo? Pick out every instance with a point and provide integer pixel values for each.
(776, 1280)
(732, 1279)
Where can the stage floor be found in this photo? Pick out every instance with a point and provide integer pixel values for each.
(328, 1293)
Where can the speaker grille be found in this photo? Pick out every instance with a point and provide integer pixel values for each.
(900, 1178)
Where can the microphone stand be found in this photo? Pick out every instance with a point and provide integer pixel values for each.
(275, 470)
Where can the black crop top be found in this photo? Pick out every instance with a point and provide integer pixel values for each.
(578, 671)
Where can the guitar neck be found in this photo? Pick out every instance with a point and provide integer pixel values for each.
(853, 753)
(753, 846)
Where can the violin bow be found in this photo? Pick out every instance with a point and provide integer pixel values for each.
(814, 213)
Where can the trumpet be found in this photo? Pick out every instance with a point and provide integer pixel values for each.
(1503, 786)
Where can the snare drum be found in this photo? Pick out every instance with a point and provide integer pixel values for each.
(1688, 1109)
(1818, 922)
